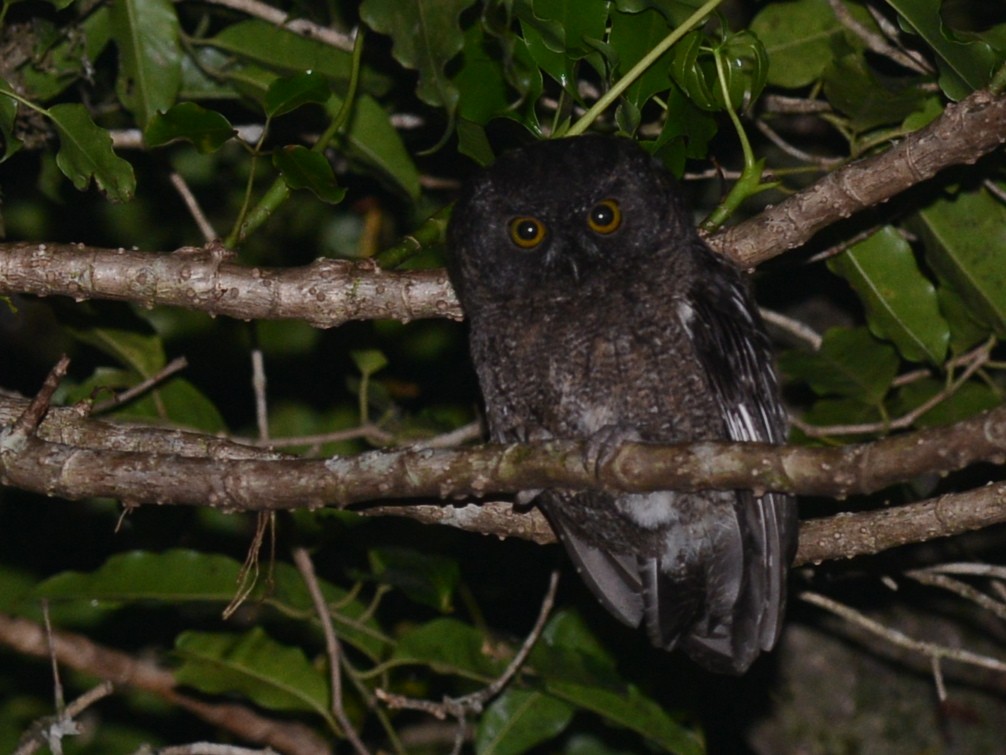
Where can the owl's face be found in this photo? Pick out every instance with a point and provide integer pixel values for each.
(560, 215)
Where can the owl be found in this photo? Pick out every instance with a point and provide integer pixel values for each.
(596, 312)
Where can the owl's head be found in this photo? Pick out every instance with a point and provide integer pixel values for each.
(561, 214)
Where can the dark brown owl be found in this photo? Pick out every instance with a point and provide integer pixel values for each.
(597, 313)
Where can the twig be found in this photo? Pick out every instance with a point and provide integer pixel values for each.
(899, 639)
(906, 420)
(369, 432)
(26, 425)
(332, 646)
(461, 707)
(792, 326)
(50, 729)
(773, 136)
(455, 437)
(175, 365)
(192, 204)
(957, 587)
(875, 42)
(259, 391)
(204, 748)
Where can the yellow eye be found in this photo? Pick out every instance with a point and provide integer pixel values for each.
(527, 232)
(605, 217)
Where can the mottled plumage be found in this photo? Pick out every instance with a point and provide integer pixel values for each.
(596, 312)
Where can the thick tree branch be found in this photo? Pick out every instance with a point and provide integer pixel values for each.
(965, 131)
(329, 292)
(75, 458)
(324, 293)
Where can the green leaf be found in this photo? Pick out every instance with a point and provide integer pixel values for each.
(426, 578)
(799, 38)
(178, 575)
(372, 139)
(744, 63)
(852, 87)
(900, 301)
(965, 331)
(838, 411)
(147, 35)
(369, 361)
(425, 35)
(559, 32)
(85, 152)
(964, 66)
(450, 646)
(137, 349)
(8, 113)
(850, 363)
(965, 243)
(520, 719)
(208, 130)
(480, 80)
(472, 141)
(302, 168)
(281, 50)
(632, 36)
(273, 675)
(288, 93)
(70, 59)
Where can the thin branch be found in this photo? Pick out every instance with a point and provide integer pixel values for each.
(300, 26)
(333, 648)
(461, 707)
(876, 42)
(48, 731)
(794, 327)
(964, 132)
(959, 588)
(979, 358)
(175, 365)
(192, 204)
(329, 292)
(81, 654)
(899, 639)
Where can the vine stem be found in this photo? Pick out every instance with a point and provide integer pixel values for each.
(637, 70)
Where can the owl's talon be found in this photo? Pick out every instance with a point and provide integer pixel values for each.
(602, 446)
(526, 497)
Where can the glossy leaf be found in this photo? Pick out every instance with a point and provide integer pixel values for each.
(425, 36)
(374, 140)
(900, 301)
(481, 80)
(965, 330)
(965, 242)
(85, 152)
(135, 348)
(744, 68)
(179, 575)
(632, 36)
(302, 168)
(520, 719)
(208, 130)
(275, 676)
(147, 35)
(279, 49)
(964, 65)
(559, 32)
(850, 363)
(291, 92)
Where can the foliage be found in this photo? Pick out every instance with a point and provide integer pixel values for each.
(249, 114)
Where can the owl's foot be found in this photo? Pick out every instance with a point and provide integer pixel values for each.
(526, 497)
(602, 446)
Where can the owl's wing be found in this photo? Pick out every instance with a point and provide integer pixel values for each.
(731, 346)
(614, 578)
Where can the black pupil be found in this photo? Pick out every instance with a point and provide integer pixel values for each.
(602, 215)
(527, 230)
